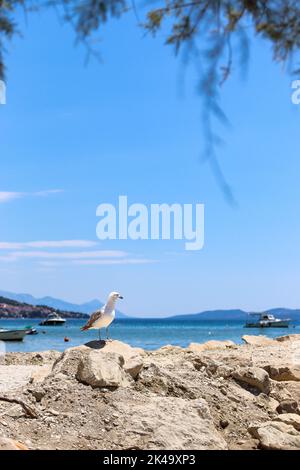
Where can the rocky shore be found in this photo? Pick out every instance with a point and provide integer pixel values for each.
(216, 395)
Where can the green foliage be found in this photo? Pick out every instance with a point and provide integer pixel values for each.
(7, 26)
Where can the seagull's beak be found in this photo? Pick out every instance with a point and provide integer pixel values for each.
(121, 297)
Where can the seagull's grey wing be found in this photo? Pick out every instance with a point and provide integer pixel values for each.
(93, 318)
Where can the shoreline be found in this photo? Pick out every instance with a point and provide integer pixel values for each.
(214, 395)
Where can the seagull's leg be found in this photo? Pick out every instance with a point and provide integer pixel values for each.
(107, 337)
(99, 333)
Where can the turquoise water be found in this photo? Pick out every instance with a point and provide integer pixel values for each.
(145, 333)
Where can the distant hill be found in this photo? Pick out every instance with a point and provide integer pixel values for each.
(212, 315)
(293, 314)
(87, 307)
(10, 308)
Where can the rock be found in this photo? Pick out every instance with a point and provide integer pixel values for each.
(247, 444)
(267, 402)
(133, 362)
(293, 337)
(140, 351)
(292, 389)
(100, 369)
(224, 423)
(10, 444)
(271, 403)
(260, 340)
(133, 366)
(291, 419)
(224, 371)
(283, 373)
(168, 423)
(206, 363)
(38, 393)
(210, 345)
(287, 406)
(276, 436)
(40, 374)
(255, 377)
(67, 363)
(170, 348)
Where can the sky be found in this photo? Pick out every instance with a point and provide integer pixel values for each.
(75, 135)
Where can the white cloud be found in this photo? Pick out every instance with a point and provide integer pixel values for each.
(65, 255)
(47, 244)
(7, 196)
(95, 262)
(47, 192)
(40, 252)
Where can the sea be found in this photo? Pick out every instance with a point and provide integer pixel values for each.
(144, 333)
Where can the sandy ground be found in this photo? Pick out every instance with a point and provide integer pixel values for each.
(13, 377)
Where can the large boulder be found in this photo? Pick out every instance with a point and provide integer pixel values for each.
(210, 345)
(253, 376)
(100, 369)
(283, 373)
(132, 361)
(260, 340)
(276, 436)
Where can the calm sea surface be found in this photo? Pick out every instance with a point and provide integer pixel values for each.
(145, 333)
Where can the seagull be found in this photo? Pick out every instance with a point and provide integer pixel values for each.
(103, 317)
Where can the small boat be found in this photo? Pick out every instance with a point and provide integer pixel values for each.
(53, 319)
(266, 320)
(12, 335)
(30, 330)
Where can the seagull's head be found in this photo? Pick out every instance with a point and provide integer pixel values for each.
(115, 296)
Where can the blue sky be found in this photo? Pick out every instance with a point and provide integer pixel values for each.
(74, 136)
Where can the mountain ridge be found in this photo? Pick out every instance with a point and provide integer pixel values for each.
(87, 307)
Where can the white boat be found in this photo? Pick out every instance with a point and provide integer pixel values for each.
(12, 335)
(30, 330)
(53, 319)
(266, 320)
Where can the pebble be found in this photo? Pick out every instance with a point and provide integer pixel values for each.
(49, 419)
(224, 423)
